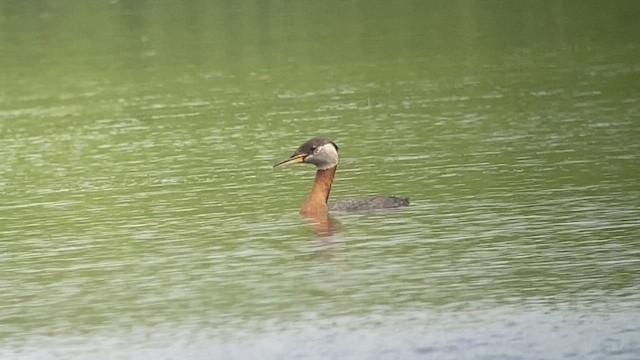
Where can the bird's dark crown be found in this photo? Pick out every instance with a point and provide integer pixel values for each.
(310, 145)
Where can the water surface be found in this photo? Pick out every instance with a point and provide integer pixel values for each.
(140, 216)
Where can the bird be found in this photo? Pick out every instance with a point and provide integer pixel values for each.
(323, 153)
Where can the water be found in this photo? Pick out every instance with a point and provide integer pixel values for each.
(140, 216)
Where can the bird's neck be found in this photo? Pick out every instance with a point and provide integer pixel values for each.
(317, 200)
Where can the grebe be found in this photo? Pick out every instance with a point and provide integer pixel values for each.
(323, 153)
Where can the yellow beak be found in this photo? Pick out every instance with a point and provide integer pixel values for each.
(295, 159)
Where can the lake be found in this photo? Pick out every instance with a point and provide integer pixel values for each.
(141, 216)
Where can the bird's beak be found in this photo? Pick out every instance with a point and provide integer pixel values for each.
(295, 159)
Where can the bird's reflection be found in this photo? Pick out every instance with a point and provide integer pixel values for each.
(324, 224)
(326, 229)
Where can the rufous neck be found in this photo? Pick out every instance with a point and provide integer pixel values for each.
(319, 196)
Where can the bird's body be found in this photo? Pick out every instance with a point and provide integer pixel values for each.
(323, 154)
(369, 203)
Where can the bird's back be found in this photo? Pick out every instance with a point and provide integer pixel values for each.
(369, 203)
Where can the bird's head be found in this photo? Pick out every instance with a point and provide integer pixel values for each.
(322, 153)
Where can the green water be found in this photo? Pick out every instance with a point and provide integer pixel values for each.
(140, 216)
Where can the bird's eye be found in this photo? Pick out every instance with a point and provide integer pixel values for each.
(313, 149)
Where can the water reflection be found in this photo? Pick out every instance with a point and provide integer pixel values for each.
(324, 224)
